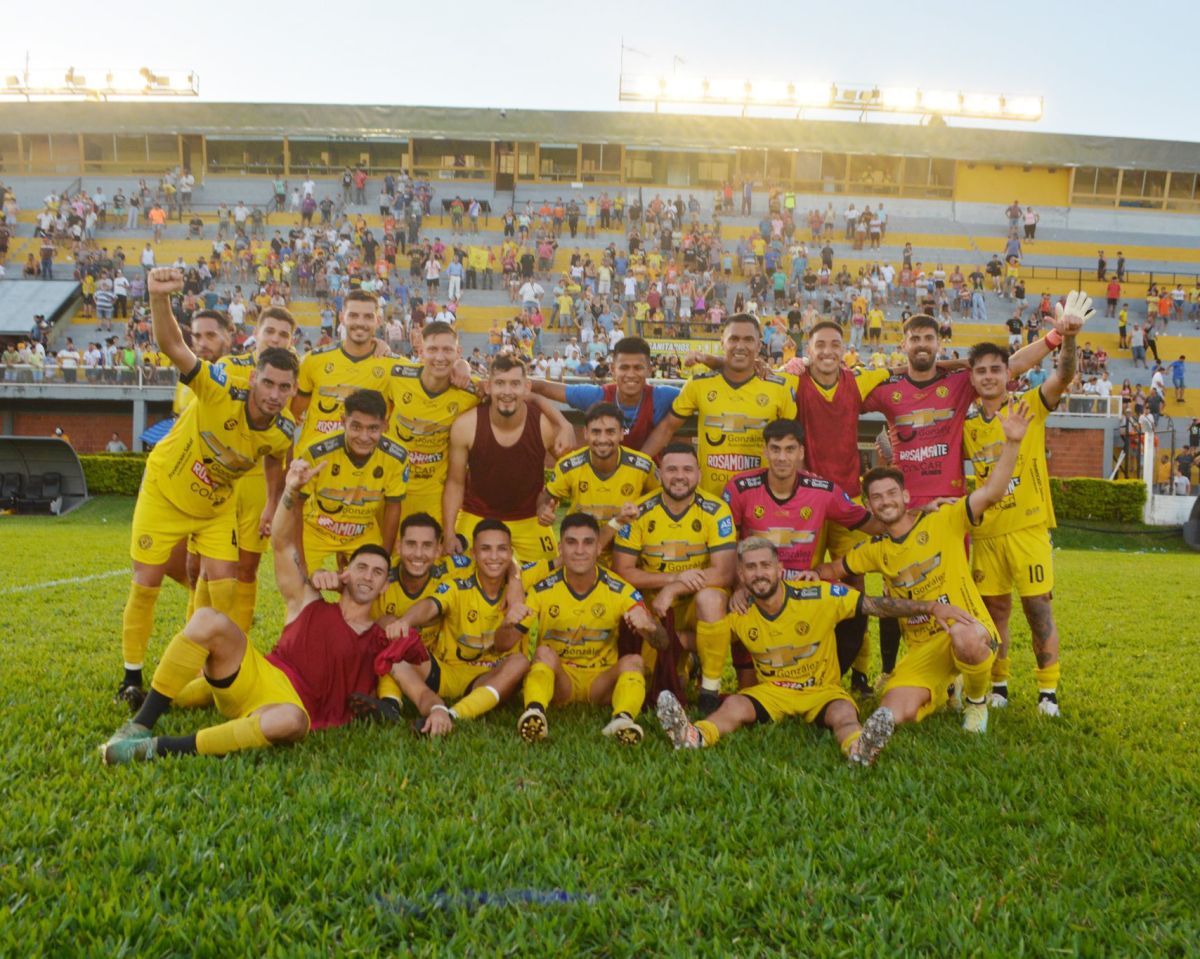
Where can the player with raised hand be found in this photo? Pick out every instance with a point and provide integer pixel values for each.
(1011, 546)
(188, 486)
(327, 652)
(578, 610)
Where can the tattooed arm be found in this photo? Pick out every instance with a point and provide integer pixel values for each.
(889, 607)
(291, 573)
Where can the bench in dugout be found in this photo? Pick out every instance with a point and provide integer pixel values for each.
(39, 494)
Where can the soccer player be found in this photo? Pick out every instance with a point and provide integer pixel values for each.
(497, 463)
(327, 652)
(1011, 545)
(680, 548)
(642, 404)
(731, 407)
(922, 557)
(603, 479)
(789, 631)
(188, 486)
(478, 655)
(357, 487)
(579, 610)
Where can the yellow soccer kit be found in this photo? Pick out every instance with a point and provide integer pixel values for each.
(574, 480)
(464, 649)
(328, 376)
(421, 423)
(730, 421)
(343, 502)
(396, 600)
(250, 494)
(190, 476)
(581, 629)
(1011, 546)
(795, 651)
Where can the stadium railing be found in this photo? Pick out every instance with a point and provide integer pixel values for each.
(54, 375)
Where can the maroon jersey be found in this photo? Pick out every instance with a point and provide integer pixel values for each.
(831, 428)
(793, 524)
(326, 660)
(928, 426)
(503, 482)
(639, 430)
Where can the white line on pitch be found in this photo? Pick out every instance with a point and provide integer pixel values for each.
(64, 582)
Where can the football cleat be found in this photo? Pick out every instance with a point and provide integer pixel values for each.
(683, 734)
(998, 697)
(130, 743)
(954, 695)
(622, 728)
(532, 725)
(975, 716)
(859, 684)
(374, 709)
(876, 732)
(708, 701)
(1048, 707)
(133, 696)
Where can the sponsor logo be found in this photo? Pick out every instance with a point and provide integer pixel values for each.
(919, 418)
(731, 462)
(342, 530)
(917, 573)
(920, 454)
(781, 657)
(201, 474)
(734, 422)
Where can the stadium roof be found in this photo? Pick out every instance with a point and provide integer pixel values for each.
(251, 121)
(22, 300)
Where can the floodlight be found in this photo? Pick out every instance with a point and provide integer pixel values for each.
(1025, 107)
(940, 101)
(986, 104)
(898, 98)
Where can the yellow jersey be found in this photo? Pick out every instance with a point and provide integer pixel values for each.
(797, 646)
(182, 398)
(576, 481)
(212, 445)
(1027, 501)
(328, 376)
(929, 562)
(581, 629)
(469, 623)
(421, 423)
(344, 501)
(730, 421)
(669, 543)
(396, 600)
(239, 367)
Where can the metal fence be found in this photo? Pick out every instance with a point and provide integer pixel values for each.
(52, 374)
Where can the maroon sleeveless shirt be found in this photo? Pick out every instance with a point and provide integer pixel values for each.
(503, 482)
(639, 430)
(831, 430)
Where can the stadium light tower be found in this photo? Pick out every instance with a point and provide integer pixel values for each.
(72, 84)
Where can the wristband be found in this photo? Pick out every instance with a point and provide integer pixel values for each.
(615, 524)
(1053, 339)
(446, 709)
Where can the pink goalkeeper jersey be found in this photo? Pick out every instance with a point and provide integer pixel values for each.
(928, 420)
(795, 525)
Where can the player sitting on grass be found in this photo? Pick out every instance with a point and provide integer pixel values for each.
(327, 652)
(578, 610)
(789, 632)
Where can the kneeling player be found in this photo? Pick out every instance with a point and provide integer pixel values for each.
(578, 610)
(327, 652)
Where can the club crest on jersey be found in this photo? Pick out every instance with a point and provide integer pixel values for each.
(712, 395)
(230, 424)
(802, 628)
(942, 392)
(584, 486)
(145, 541)
(377, 372)
(762, 399)
(696, 526)
(328, 367)
(922, 538)
(805, 512)
(626, 489)
(897, 396)
(598, 610)
(472, 615)
(759, 512)
(553, 610)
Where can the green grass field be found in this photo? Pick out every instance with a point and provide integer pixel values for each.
(1075, 837)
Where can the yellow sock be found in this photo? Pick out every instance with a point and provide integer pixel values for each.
(848, 743)
(195, 695)
(1000, 670)
(201, 594)
(1047, 677)
(244, 596)
(539, 685)
(137, 623)
(629, 693)
(191, 604)
(245, 733)
(181, 661)
(977, 677)
(478, 701)
(712, 644)
(862, 659)
(221, 593)
(388, 688)
(709, 734)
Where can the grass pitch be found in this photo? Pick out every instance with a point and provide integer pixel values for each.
(1075, 837)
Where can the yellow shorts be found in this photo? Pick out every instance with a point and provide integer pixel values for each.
(1023, 558)
(159, 524)
(453, 680)
(581, 678)
(250, 499)
(929, 665)
(319, 553)
(259, 683)
(420, 501)
(775, 700)
(530, 539)
(839, 540)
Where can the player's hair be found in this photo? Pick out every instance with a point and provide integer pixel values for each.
(423, 521)
(438, 328)
(371, 549)
(826, 325)
(878, 474)
(276, 313)
(278, 358)
(632, 345)
(687, 448)
(751, 543)
(586, 520)
(781, 428)
(503, 362)
(981, 350)
(364, 296)
(920, 321)
(599, 411)
(743, 318)
(217, 316)
(370, 402)
(487, 526)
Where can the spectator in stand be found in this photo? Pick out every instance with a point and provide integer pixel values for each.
(1101, 266)
(1177, 368)
(115, 445)
(1031, 222)
(68, 361)
(1137, 345)
(1112, 293)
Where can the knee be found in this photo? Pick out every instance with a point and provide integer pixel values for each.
(631, 663)
(289, 725)
(972, 646)
(840, 712)
(544, 654)
(710, 604)
(517, 666)
(208, 626)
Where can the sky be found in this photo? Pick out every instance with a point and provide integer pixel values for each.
(1088, 60)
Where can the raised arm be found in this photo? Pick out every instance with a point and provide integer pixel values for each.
(1068, 321)
(291, 574)
(558, 435)
(995, 486)
(551, 391)
(456, 476)
(160, 284)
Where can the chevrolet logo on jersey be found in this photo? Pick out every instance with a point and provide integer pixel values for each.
(472, 648)
(331, 398)
(354, 496)
(419, 427)
(917, 573)
(576, 637)
(674, 551)
(786, 536)
(734, 422)
(988, 455)
(230, 459)
(918, 418)
(781, 657)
